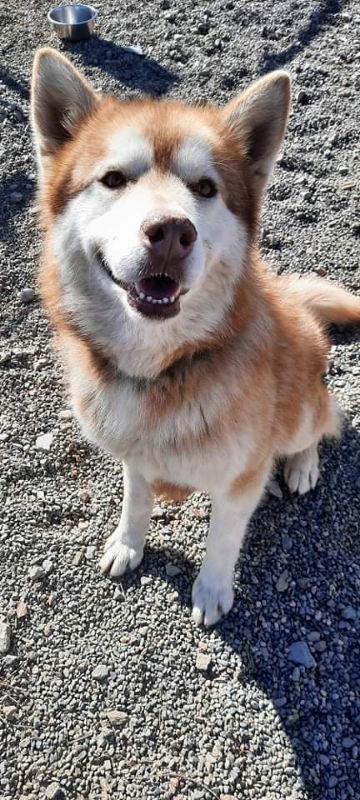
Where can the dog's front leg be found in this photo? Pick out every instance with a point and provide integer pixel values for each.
(212, 593)
(124, 548)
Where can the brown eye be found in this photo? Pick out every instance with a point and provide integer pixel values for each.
(114, 179)
(206, 188)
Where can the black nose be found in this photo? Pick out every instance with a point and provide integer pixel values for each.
(169, 238)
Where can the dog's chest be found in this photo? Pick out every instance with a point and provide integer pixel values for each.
(169, 434)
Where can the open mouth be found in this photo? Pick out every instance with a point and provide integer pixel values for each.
(157, 296)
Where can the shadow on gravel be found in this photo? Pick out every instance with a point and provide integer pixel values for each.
(13, 83)
(16, 191)
(317, 21)
(313, 541)
(131, 69)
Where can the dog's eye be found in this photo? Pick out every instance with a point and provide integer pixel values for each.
(205, 188)
(114, 179)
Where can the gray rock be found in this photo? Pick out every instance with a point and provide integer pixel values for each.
(349, 613)
(320, 646)
(10, 660)
(44, 441)
(101, 672)
(283, 581)
(203, 661)
(27, 295)
(172, 570)
(36, 573)
(299, 653)
(10, 713)
(5, 638)
(21, 609)
(16, 197)
(65, 414)
(117, 718)
(348, 742)
(54, 791)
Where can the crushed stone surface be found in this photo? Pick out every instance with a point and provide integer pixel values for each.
(101, 694)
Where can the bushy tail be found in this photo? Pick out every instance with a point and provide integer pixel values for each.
(328, 302)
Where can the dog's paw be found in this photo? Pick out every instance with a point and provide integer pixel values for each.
(212, 598)
(301, 471)
(118, 557)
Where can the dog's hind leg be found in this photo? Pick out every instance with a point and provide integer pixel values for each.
(301, 470)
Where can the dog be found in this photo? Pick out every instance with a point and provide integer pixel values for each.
(186, 358)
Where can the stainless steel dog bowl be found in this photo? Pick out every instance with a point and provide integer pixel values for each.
(74, 22)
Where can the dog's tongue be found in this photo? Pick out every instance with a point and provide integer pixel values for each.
(158, 286)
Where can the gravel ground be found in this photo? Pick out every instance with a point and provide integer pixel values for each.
(267, 705)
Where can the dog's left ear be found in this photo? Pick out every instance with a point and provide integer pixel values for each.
(60, 99)
(258, 117)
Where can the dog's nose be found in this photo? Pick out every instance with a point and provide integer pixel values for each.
(170, 238)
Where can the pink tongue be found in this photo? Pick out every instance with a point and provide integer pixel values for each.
(159, 286)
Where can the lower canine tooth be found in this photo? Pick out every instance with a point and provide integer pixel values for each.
(141, 295)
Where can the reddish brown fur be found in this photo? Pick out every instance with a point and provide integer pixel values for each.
(281, 369)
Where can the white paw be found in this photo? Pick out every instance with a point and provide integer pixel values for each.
(212, 598)
(301, 471)
(118, 557)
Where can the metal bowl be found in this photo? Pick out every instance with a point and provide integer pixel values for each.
(74, 22)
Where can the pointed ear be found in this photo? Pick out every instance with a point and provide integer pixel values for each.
(60, 99)
(258, 117)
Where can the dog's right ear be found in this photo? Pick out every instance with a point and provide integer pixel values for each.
(60, 99)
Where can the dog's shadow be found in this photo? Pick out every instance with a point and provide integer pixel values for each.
(313, 543)
(134, 70)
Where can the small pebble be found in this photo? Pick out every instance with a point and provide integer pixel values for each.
(283, 582)
(10, 713)
(349, 613)
(100, 673)
(5, 638)
(172, 570)
(203, 661)
(54, 791)
(27, 295)
(21, 610)
(348, 742)
(300, 653)
(117, 718)
(65, 414)
(44, 441)
(16, 197)
(36, 573)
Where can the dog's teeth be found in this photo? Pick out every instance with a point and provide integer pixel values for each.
(165, 300)
(149, 299)
(141, 295)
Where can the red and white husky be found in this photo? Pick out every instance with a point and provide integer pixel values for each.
(186, 358)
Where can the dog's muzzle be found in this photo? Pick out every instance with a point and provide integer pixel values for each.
(168, 241)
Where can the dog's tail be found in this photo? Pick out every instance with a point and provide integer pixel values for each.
(329, 303)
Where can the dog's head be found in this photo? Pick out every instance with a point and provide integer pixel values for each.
(146, 199)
